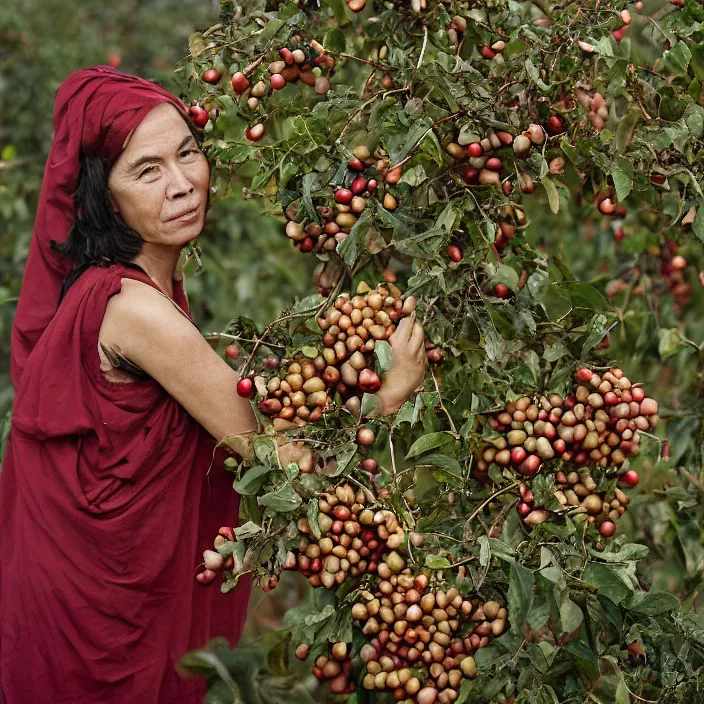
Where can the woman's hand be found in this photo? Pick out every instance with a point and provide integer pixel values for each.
(408, 372)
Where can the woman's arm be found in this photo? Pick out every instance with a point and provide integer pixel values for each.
(148, 330)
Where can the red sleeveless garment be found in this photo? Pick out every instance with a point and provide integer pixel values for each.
(107, 504)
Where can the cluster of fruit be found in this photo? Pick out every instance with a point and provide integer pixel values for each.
(213, 561)
(423, 640)
(581, 499)
(334, 223)
(355, 540)
(597, 425)
(351, 328)
(334, 667)
(596, 107)
(672, 268)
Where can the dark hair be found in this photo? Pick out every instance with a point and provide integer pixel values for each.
(99, 236)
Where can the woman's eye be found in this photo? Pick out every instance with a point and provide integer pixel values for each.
(146, 171)
(189, 151)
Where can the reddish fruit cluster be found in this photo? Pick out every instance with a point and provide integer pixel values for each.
(596, 107)
(672, 268)
(336, 220)
(292, 65)
(579, 491)
(214, 562)
(335, 667)
(355, 540)
(199, 116)
(422, 640)
(351, 328)
(598, 425)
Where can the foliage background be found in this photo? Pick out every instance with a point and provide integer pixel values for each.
(250, 269)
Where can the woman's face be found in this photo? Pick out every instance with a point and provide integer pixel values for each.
(159, 184)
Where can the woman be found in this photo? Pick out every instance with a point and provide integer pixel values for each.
(109, 492)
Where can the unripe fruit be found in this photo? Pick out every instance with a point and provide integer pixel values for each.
(365, 436)
(322, 85)
(302, 651)
(521, 145)
(393, 175)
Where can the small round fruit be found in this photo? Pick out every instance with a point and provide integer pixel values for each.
(607, 529)
(630, 478)
(199, 116)
(210, 75)
(277, 81)
(365, 436)
(255, 133)
(240, 83)
(502, 291)
(454, 252)
(475, 150)
(245, 387)
(343, 196)
(232, 352)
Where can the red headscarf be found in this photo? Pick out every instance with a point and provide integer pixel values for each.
(96, 109)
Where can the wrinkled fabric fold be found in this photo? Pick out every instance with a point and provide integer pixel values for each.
(108, 499)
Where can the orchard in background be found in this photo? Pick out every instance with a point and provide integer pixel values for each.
(456, 162)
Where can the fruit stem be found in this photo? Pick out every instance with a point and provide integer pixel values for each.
(442, 405)
(510, 487)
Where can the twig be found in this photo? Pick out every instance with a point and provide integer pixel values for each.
(506, 489)
(447, 413)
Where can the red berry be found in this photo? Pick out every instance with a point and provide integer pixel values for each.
(607, 529)
(471, 175)
(355, 164)
(255, 133)
(494, 164)
(343, 196)
(286, 55)
(245, 387)
(211, 76)
(502, 291)
(359, 185)
(475, 150)
(232, 352)
(523, 509)
(454, 252)
(555, 123)
(518, 454)
(240, 83)
(277, 81)
(584, 375)
(630, 478)
(307, 244)
(199, 116)
(487, 52)
(657, 179)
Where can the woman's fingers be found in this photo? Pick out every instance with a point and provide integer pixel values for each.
(417, 340)
(403, 332)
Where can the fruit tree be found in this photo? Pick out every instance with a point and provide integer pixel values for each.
(468, 548)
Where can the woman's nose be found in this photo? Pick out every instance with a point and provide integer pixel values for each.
(179, 183)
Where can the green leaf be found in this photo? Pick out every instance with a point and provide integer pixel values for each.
(196, 44)
(584, 659)
(385, 355)
(622, 174)
(310, 351)
(553, 196)
(335, 40)
(282, 500)
(571, 617)
(622, 696)
(607, 581)
(520, 594)
(656, 604)
(428, 442)
(698, 60)
(698, 224)
(312, 516)
(442, 461)
(252, 480)
(248, 530)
